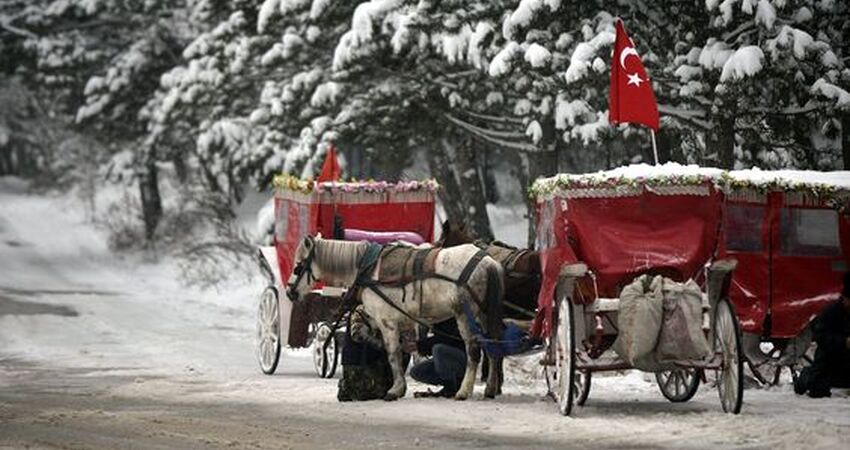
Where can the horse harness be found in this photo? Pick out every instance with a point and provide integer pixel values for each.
(367, 265)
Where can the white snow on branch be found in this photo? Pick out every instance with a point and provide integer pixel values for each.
(798, 41)
(589, 132)
(503, 61)
(746, 62)
(687, 73)
(715, 54)
(585, 52)
(522, 107)
(567, 112)
(494, 98)
(267, 11)
(455, 45)
(766, 14)
(476, 42)
(537, 55)
(534, 131)
(325, 94)
(525, 12)
(226, 134)
(353, 42)
(290, 6)
(319, 6)
(832, 92)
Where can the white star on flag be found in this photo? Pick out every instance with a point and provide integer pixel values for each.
(634, 79)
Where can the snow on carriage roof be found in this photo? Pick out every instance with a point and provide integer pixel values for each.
(837, 179)
(674, 174)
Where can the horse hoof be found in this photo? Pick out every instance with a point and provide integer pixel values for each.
(390, 397)
(488, 394)
(461, 397)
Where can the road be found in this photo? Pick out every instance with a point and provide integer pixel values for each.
(105, 352)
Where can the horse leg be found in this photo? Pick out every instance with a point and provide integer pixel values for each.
(473, 357)
(390, 335)
(494, 384)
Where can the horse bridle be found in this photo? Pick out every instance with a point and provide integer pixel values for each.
(304, 267)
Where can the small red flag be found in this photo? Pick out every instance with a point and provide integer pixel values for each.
(330, 169)
(631, 99)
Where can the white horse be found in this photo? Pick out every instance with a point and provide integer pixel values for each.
(435, 298)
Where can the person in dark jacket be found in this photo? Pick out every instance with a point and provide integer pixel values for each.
(831, 367)
(447, 363)
(366, 372)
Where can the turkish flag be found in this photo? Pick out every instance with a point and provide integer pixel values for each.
(631, 99)
(330, 169)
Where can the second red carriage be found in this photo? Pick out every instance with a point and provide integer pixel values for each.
(787, 233)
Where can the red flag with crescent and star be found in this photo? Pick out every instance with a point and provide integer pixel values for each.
(330, 169)
(631, 99)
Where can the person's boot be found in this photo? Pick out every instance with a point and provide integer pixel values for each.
(819, 392)
(801, 382)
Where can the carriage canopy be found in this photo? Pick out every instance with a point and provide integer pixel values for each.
(305, 207)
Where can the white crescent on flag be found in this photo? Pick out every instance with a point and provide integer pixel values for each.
(625, 54)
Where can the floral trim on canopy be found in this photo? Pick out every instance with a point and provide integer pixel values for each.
(835, 194)
(291, 183)
(560, 184)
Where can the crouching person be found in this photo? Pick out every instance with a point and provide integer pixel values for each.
(446, 362)
(366, 372)
(831, 367)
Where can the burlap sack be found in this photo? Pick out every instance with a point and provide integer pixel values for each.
(681, 334)
(639, 321)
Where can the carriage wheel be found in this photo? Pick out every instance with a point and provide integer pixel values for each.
(727, 342)
(268, 331)
(565, 356)
(324, 361)
(581, 385)
(678, 385)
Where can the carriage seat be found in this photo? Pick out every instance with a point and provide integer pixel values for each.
(382, 237)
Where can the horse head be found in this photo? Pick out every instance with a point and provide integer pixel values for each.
(454, 235)
(304, 271)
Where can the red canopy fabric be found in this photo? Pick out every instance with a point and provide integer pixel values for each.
(631, 98)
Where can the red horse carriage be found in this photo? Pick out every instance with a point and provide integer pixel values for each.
(784, 231)
(790, 233)
(376, 211)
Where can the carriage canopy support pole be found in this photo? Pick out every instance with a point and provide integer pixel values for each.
(654, 147)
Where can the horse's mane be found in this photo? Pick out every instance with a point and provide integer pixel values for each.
(339, 258)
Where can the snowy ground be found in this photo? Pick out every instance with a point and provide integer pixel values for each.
(97, 351)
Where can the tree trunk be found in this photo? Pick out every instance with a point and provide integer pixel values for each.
(441, 168)
(845, 139)
(542, 163)
(724, 139)
(472, 189)
(149, 192)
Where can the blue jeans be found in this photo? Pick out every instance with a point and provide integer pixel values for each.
(446, 368)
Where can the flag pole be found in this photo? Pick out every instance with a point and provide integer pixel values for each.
(654, 147)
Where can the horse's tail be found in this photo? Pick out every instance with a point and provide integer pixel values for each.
(493, 300)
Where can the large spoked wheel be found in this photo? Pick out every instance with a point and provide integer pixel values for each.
(678, 385)
(565, 358)
(727, 343)
(324, 360)
(581, 385)
(268, 331)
